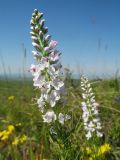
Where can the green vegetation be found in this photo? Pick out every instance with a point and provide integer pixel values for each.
(23, 135)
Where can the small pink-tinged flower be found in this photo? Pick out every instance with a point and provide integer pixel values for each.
(33, 69)
(46, 49)
(35, 54)
(54, 56)
(53, 44)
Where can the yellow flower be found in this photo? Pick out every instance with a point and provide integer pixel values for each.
(16, 141)
(88, 150)
(103, 149)
(11, 128)
(1, 133)
(90, 158)
(4, 135)
(11, 98)
(23, 138)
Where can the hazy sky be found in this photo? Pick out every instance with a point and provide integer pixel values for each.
(88, 32)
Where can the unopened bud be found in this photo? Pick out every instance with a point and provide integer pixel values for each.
(37, 46)
(45, 30)
(47, 38)
(41, 34)
(31, 22)
(35, 54)
(32, 28)
(42, 22)
(46, 49)
(53, 44)
(33, 15)
(34, 38)
(35, 11)
(32, 33)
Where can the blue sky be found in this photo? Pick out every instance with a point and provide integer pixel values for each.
(88, 32)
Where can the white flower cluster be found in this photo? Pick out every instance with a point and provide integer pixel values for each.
(90, 111)
(46, 73)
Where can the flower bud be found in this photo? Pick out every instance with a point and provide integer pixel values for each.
(46, 49)
(36, 29)
(32, 28)
(32, 33)
(47, 38)
(37, 46)
(39, 16)
(45, 30)
(53, 44)
(35, 11)
(33, 15)
(41, 34)
(34, 38)
(31, 22)
(35, 54)
(42, 23)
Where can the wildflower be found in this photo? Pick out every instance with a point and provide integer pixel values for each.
(103, 149)
(16, 141)
(19, 140)
(4, 135)
(11, 128)
(11, 98)
(62, 118)
(49, 117)
(23, 138)
(88, 150)
(90, 158)
(90, 113)
(46, 72)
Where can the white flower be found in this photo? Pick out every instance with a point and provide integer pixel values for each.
(67, 117)
(90, 112)
(88, 135)
(54, 56)
(61, 118)
(54, 96)
(44, 62)
(41, 104)
(53, 72)
(39, 81)
(49, 117)
(57, 83)
(99, 134)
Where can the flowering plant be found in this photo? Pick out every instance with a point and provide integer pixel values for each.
(46, 72)
(90, 112)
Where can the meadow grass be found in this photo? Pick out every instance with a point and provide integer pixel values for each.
(67, 142)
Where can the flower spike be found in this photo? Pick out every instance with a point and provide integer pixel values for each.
(46, 73)
(90, 112)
